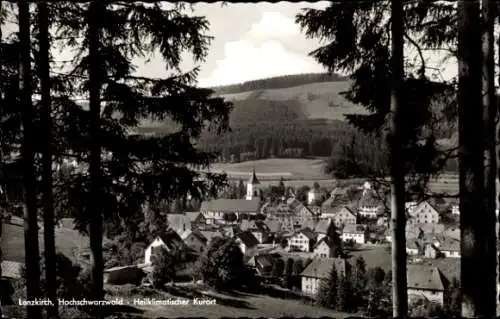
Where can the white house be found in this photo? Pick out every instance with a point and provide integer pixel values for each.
(425, 213)
(319, 269)
(323, 249)
(356, 233)
(302, 240)
(168, 241)
(426, 282)
(369, 205)
(314, 196)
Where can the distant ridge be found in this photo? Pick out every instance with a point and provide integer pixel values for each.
(278, 82)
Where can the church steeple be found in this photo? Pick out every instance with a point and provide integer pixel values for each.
(253, 178)
(253, 186)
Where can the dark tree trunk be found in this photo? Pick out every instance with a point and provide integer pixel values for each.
(32, 253)
(47, 199)
(95, 211)
(398, 214)
(490, 114)
(473, 218)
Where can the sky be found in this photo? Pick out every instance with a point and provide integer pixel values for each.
(252, 41)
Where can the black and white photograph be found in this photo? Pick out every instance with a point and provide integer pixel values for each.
(260, 160)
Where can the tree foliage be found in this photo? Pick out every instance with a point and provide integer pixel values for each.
(220, 264)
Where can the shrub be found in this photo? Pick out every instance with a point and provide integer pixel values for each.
(129, 275)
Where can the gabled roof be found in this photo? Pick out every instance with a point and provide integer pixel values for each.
(172, 240)
(195, 233)
(425, 277)
(354, 229)
(231, 205)
(247, 238)
(324, 240)
(307, 232)
(369, 199)
(321, 267)
(273, 225)
(322, 226)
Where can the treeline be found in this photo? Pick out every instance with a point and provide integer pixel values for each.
(264, 140)
(278, 82)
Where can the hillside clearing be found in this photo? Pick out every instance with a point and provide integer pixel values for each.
(235, 305)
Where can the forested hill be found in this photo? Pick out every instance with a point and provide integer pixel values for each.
(279, 82)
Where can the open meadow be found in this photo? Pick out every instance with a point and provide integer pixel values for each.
(300, 172)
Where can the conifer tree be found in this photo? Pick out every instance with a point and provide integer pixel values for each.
(126, 168)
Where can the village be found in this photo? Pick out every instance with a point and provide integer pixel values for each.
(272, 234)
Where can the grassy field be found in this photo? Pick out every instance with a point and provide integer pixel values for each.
(68, 241)
(234, 305)
(300, 172)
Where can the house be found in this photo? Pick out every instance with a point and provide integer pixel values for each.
(324, 248)
(344, 216)
(318, 270)
(195, 240)
(263, 264)
(412, 247)
(171, 241)
(285, 216)
(247, 242)
(321, 228)
(303, 213)
(302, 240)
(197, 219)
(314, 196)
(258, 228)
(455, 209)
(444, 246)
(179, 222)
(426, 213)
(426, 282)
(369, 205)
(355, 232)
(213, 210)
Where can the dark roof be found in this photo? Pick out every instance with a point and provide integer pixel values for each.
(172, 240)
(425, 277)
(368, 199)
(321, 267)
(247, 238)
(307, 232)
(264, 260)
(253, 179)
(322, 226)
(231, 205)
(273, 225)
(354, 229)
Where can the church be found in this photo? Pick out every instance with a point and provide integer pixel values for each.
(215, 210)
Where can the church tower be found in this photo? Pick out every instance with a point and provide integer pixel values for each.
(253, 187)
